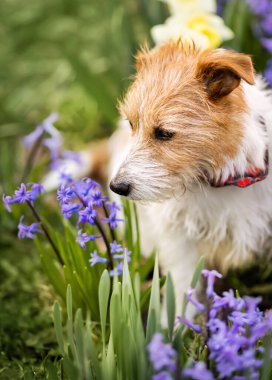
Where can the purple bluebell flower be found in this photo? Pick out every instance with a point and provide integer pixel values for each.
(211, 275)
(36, 190)
(70, 155)
(126, 253)
(27, 231)
(22, 194)
(267, 44)
(268, 72)
(191, 325)
(83, 238)
(53, 144)
(95, 259)
(113, 207)
(189, 294)
(260, 7)
(30, 139)
(84, 186)
(88, 215)
(229, 300)
(69, 209)
(218, 331)
(97, 199)
(49, 121)
(251, 303)
(115, 247)
(198, 372)
(7, 200)
(161, 355)
(121, 257)
(266, 23)
(260, 329)
(65, 194)
(118, 270)
(65, 178)
(112, 220)
(227, 361)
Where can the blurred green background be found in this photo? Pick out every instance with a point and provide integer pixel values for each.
(71, 56)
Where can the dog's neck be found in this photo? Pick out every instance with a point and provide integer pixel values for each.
(250, 175)
(252, 162)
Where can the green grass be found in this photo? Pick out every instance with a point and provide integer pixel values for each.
(26, 331)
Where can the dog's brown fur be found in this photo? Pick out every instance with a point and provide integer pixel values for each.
(183, 89)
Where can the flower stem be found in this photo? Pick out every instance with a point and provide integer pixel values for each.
(101, 230)
(55, 249)
(113, 236)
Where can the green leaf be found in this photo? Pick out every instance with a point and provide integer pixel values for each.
(58, 326)
(51, 268)
(92, 351)
(104, 294)
(153, 318)
(70, 328)
(267, 363)
(195, 279)
(170, 304)
(79, 343)
(197, 272)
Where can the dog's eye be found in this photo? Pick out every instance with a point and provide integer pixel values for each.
(162, 134)
(130, 123)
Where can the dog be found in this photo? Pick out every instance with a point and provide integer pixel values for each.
(193, 152)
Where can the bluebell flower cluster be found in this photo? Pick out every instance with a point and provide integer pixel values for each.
(25, 231)
(198, 372)
(25, 193)
(117, 259)
(47, 135)
(232, 330)
(83, 238)
(163, 358)
(95, 259)
(234, 325)
(263, 29)
(84, 199)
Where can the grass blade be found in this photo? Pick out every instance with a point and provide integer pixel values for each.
(104, 294)
(153, 319)
(170, 304)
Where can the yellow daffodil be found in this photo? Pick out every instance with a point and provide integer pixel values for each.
(193, 19)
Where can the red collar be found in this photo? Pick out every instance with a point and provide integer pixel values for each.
(249, 178)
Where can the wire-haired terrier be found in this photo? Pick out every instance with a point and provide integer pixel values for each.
(196, 157)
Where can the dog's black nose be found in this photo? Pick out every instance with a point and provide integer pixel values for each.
(120, 188)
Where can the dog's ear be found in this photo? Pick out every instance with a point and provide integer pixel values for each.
(221, 71)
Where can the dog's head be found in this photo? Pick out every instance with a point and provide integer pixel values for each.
(185, 110)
